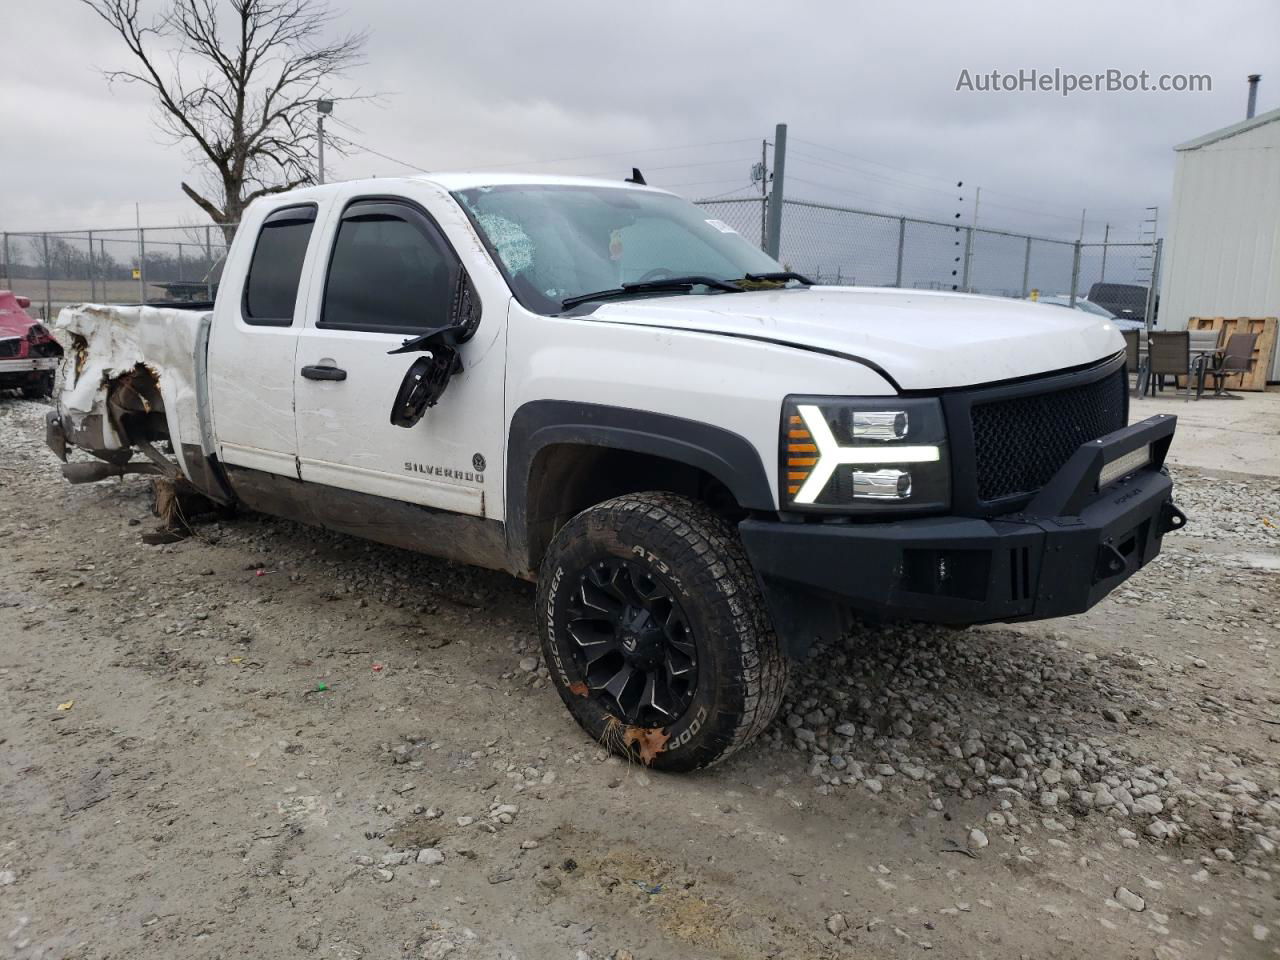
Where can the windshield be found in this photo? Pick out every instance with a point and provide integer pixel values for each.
(557, 242)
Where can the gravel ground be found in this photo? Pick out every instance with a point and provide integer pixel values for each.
(272, 741)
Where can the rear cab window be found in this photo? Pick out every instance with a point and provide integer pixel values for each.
(271, 288)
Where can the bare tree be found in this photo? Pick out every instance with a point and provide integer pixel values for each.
(243, 94)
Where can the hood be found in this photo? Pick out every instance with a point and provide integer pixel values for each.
(14, 321)
(14, 324)
(924, 340)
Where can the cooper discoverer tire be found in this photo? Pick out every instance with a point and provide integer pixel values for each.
(655, 632)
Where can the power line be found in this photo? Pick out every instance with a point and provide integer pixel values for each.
(673, 166)
(617, 153)
(917, 211)
(932, 177)
(369, 150)
(591, 156)
(718, 196)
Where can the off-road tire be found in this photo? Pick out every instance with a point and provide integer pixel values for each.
(741, 669)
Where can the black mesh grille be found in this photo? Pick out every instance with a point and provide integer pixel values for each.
(10, 347)
(1020, 443)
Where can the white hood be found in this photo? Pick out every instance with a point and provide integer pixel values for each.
(923, 339)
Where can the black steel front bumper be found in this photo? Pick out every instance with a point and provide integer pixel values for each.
(1066, 550)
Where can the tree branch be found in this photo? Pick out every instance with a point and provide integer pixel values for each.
(240, 94)
(216, 215)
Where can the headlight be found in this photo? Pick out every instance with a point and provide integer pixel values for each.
(864, 455)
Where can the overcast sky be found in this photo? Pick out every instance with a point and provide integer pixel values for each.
(686, 91)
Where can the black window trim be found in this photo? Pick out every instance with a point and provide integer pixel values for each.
(411, 213)
(290, 213)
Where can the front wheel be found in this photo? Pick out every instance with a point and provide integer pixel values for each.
(655, 632)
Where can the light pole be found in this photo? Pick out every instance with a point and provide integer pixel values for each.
(323, 109)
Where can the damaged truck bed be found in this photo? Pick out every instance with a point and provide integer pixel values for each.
(129, 382)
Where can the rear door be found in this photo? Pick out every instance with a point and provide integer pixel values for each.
(254, 339)
(391, 274)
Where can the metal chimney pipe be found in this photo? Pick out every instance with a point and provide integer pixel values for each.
(1253, 95)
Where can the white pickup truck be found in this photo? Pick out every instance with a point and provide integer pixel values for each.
(703, 459)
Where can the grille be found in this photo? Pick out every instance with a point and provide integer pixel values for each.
(10, 347)
(1021, 442)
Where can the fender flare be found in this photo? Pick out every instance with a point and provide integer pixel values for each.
(725, 455)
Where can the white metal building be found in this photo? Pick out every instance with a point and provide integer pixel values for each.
(1221, 253)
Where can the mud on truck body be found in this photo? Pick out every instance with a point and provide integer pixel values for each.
(704, 460)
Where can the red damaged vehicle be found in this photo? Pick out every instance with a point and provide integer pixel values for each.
(28, 353)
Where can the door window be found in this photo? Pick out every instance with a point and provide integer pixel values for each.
(391, 271)
(271, 289)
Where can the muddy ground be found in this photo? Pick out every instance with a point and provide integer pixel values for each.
(270, 741)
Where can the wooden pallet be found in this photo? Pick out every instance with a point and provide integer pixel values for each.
(1263, 349)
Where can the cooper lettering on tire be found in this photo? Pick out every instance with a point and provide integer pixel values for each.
(661, 643)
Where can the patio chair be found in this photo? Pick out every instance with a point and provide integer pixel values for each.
(1236, 358)
(1169, 355)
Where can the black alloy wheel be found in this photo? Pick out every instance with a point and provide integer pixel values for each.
(632, 643)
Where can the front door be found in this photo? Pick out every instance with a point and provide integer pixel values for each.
(391, 275)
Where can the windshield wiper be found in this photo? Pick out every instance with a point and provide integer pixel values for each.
(673, 284)
(778, 276)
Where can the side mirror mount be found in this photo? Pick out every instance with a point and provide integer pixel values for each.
(427, 377)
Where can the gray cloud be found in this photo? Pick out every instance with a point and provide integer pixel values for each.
(868, 91)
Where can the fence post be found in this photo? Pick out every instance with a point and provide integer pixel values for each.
(48, 279)
(8, 269)
(1075, 273)
(902, 244)
(208, 260)
(180, 276)
(1026, 270)
(968, 246)
(775, 198)
(1154, 290)
(142, 266)
(93, 277)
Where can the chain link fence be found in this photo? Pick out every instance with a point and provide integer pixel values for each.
(828, 243)
(834, 244)
(113, 266)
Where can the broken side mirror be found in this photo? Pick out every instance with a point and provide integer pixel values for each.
(427, 377)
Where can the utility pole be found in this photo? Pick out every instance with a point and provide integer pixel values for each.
(323, 109)
(760, 172)
(775, 196)
(1106, 239)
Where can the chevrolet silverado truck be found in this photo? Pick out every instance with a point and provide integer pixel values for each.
(703, 459)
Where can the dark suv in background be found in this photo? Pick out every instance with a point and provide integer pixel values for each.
(1128, 301)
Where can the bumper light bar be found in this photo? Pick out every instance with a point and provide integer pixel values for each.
(1124, 465)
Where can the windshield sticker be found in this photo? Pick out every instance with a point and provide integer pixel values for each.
(514, 247)
(722, 226)
(615, 245)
